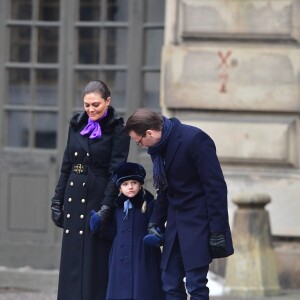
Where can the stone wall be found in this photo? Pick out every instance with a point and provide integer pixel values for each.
(232, 68)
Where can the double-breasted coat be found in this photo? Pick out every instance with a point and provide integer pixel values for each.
(195, 202)
(85, 184)
(134, 267)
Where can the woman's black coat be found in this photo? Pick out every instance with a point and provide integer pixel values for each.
(84, 256)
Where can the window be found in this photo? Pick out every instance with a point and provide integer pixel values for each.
(153, 42)
(32, 74)
(50, 58)
(102, 35)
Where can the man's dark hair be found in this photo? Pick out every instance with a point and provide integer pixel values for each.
(144, 119)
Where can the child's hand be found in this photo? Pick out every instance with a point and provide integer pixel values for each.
(95, 221)
(155, 238)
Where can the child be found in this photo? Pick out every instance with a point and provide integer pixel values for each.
(134, 266)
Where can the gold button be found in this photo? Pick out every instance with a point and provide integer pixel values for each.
(71, 183)
(67, 231)
(70, 199)
(68, 216)
(81, 216)
(80, 232)
(82, 200)
(75, 153)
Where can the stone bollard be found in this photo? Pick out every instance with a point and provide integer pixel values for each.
(251, 271)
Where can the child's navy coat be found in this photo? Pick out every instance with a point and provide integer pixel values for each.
(134, 268)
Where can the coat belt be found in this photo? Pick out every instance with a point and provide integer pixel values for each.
(84, 169)
(80, 169)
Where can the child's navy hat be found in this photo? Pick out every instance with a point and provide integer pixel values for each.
(128, 171)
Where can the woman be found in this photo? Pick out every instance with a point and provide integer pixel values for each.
(96, 144)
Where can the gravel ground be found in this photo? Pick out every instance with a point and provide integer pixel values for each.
(21, 294)
(29, 284)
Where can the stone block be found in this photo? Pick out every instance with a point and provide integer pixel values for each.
(252, 141)
(288, 261)
(231, 77)
(234, 19)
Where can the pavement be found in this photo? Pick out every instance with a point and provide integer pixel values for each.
(28, 284)
(32, 284)
(284, 295)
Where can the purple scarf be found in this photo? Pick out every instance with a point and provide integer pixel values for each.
(93, 127)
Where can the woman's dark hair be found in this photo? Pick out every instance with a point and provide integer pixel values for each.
(144, 119)
(97, 86)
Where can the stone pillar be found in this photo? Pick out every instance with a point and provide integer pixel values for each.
(252, 270)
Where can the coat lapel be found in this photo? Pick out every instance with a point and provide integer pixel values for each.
(82, 140)
(92, 141)
(174, 143)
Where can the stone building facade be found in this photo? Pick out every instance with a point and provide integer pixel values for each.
(232, 68)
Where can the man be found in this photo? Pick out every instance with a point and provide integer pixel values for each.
(192, 199)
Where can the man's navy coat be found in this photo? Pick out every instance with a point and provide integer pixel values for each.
(195, 202)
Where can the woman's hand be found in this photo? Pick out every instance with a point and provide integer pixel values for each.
(57, 213)
(99, 218)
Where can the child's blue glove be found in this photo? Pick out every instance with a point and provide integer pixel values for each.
(155, 238)
(95, 221)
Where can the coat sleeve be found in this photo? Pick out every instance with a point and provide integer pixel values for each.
(111, 230)
(65, 171)
(160, 209)
(119, 153)
(212, 180)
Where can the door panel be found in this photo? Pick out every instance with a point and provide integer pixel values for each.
(30, 109)
(27, 182)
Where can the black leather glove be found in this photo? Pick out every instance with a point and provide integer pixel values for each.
(57, 213)
(104, 213)
(99, 221)
(217, 244)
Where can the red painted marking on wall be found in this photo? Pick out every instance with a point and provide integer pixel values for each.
(224, 78)
(223, 67)
(224, 59)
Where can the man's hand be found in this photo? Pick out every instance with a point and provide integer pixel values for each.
(217, 244)
(155, 237)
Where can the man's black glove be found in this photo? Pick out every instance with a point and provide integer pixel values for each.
(155, 237)
(100, 218)
(217, 244)
(57, 213)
